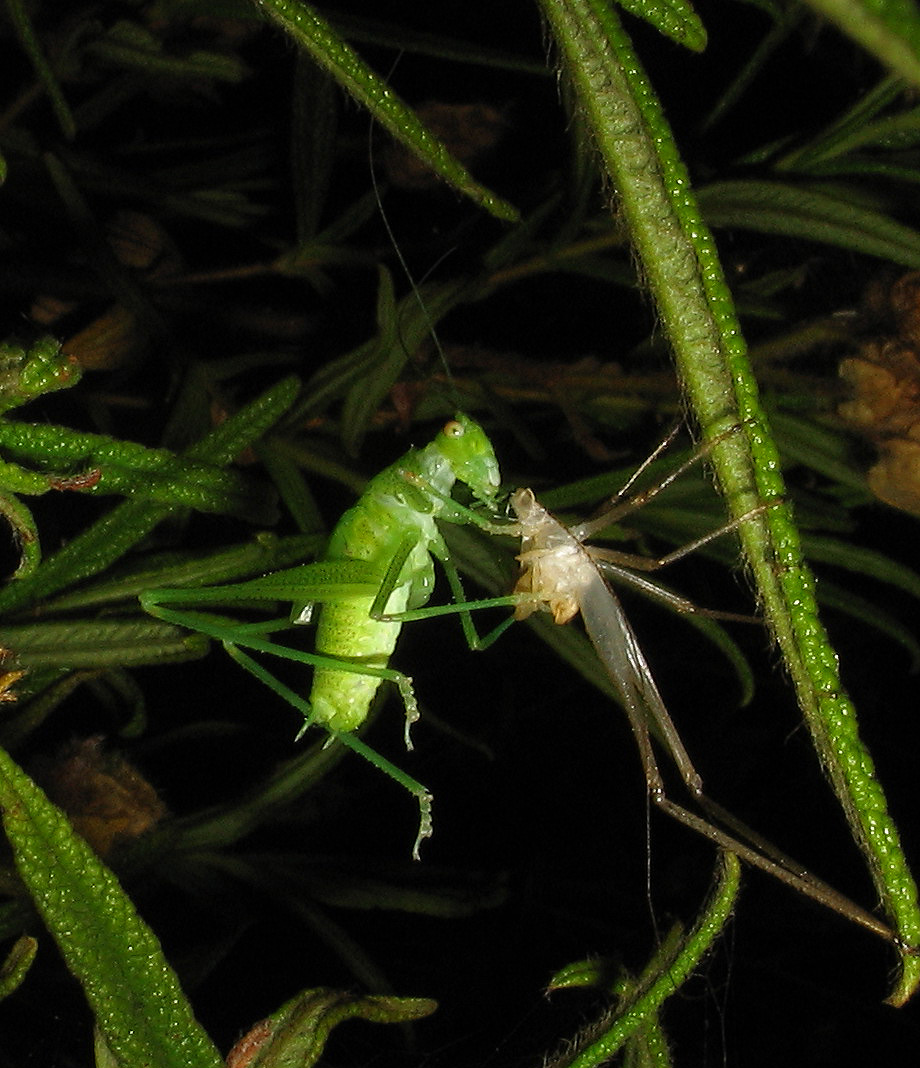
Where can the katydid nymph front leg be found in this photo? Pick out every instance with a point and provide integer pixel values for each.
(376, 573)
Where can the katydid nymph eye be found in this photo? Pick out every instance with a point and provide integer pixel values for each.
(453, 429)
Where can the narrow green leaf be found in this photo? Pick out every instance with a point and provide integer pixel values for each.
(115, 533)
(385, 360)
(889, 29)
(862, 561)
(666, 973)
(296, 1034)
(674, 18)
(31, 45)
(868, 614)
(412, 41)
(79, 643)
(312, 32)
(729, 648)
(295, 494)
(25, 534)
(51, 688)
(860, 116)
(266, 553)
(225, 442)
(803, 441)
(808, 214)
(132, 470)
(899, 131)
(590, 972)
(860, 166)
(785, 21)
(334, 379)
(17, 963)
(314, 127)
(403, 327)
(135, 995)
(129, 45)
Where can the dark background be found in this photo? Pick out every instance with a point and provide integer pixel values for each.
(544, 819)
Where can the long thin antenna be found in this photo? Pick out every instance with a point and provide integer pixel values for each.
(420, 300)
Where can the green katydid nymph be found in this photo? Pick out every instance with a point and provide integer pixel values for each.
(377, 572)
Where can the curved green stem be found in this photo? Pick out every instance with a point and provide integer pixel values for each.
(668, 971)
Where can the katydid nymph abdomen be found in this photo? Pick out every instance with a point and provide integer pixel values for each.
(393, 520)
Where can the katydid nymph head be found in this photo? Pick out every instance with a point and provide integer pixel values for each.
(469, 453)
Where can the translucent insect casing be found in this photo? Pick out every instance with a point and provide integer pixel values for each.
(555, 565)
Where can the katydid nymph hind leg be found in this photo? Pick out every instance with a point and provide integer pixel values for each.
(235, 636)
(232, 633)
(351, 741)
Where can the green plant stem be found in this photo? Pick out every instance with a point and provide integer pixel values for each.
(666, 973)
(681, 266)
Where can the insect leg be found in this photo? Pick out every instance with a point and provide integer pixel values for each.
(234, 634)
(454, 512)
(460, 606)
(622, 576)
(465, 607)
(652, 563)
(622, 507)
(419, 792)
(616, 645)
